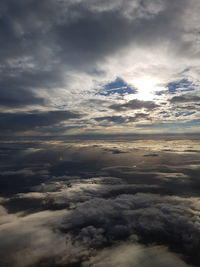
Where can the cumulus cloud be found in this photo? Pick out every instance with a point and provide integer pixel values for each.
(79, 235)
(146, 215)
(151, 218)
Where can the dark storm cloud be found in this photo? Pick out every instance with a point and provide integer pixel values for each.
(10, 122)
(134, 104)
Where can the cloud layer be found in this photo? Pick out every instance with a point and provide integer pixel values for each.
(100, 203)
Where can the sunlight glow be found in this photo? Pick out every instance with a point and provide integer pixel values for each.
(146, 86)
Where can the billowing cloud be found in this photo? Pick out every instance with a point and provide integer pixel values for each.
(97, 203)
(80, 234)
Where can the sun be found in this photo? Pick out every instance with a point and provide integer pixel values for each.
(146, 87)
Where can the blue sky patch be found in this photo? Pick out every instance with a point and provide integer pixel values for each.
(192, 123)
(185, 114)
(178, 86)
(116, 87)
(182, 86)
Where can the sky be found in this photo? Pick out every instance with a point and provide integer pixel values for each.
(99, 133)
(89, 67)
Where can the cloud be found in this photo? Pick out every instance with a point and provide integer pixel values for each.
(134, 104)
(152, 218)
(33, 240)
(119, 224)
(65, 54)
(174, 127)
(146, 215)
(5, 217)
(135, 256)
(10, 122)
(39, 49)
(185, 98)
(123, 119)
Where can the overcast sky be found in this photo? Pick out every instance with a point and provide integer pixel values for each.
(95, 66)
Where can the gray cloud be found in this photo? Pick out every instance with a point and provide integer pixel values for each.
(41, 42)
(148, 216)
(38, 49)
(134, 104)
(185, 98)
(10, 122)
(61, 54)
(123, 119)
(80, 234)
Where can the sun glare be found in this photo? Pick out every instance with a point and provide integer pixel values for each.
(146, 86)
